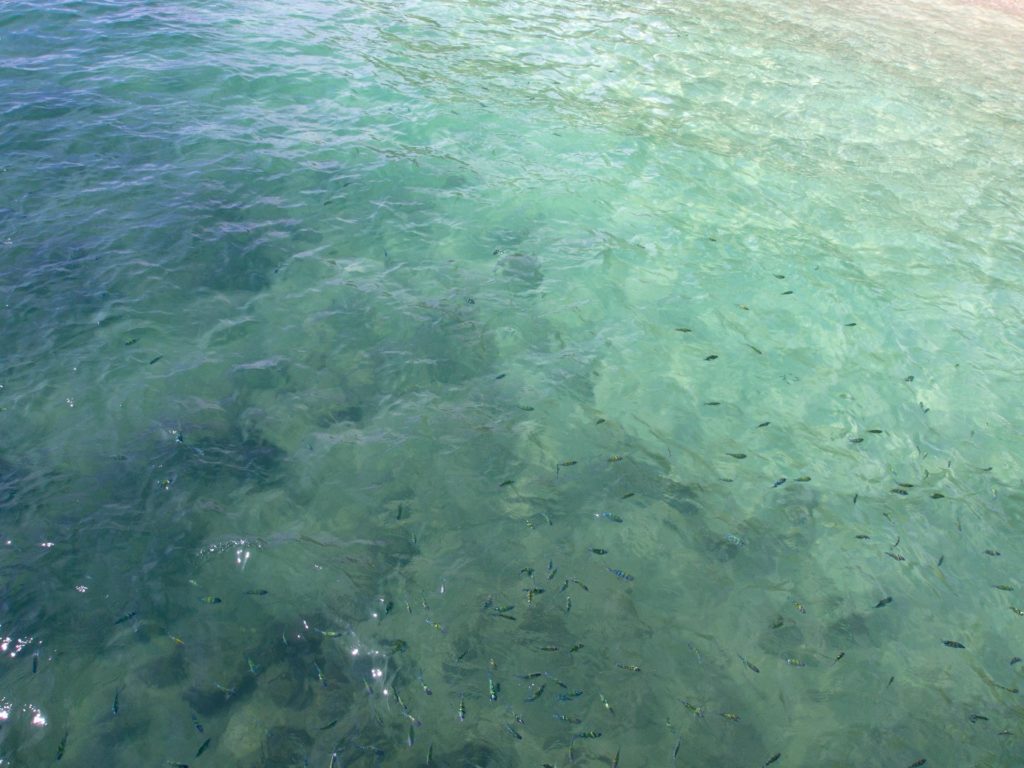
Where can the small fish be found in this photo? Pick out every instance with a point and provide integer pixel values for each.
(607, 706)
(896, 557)
(130, 342)
(576, 647)
(462, 709)
(778, 482)
(328, 726)
(210, 600)
(737, 455)
(579, 583)
(803, 479)
(570, 463)
(711, 357)
(856, 439)
(506, 483)
(898, 491)
(849, 325)
(786, 293)
(1004, 587)
(697, 711)
(763, 424)
(62, 745)
(922, 761)
(1018, 611)
(862, 536)
(513, 731)
(628, 667)
(35, 663)
(500, 376)
(884, 601)
(795, 663)
(712, 402)
(116, 706)
(609, 516)
(568, 604)
(550, 648)
(1016, 660)
(730, 716)
(588, 735)
(319, 674)
(772, 759)
(628, 495)
(492, 688)
(127, 617)
(620, 574)
(156, 359)
(615, 760)
(613, 459)
(570, 696)
(253, 667)
(875, 431)
(938, 495)
(953, 644)
(195, 723)
(750, 666)
(537, 694)
(942, 559)
(675, 750)
(684, 330)
(203, 747)
(837, 658)
(778, 622)
(568, 719)
(599, 551)
(976, 718)
(993, 552)
(257, 592)
(891, 680)
(799, 606)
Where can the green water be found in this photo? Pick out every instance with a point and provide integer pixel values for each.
(332, 330)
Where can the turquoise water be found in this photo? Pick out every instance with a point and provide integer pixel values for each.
(333, 333)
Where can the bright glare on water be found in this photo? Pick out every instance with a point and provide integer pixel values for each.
(502, 383)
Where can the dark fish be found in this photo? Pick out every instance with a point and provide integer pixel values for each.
(993, 552)
(849, 325)
(513, 731)
(942, 559)
(875, 431)
(1016, 660)
(156, 359)
(922, 761)
(862, 536)
(195, 723)
(772, 759)
(856, 439)
(570, 463)
(737, 455)
(537, 694)
(713, 402)
(711, 357)
(750, 666)
(500, 376)
(257, 592)
(778, 482)
(621, 574)
(684, 330)
(576, 647)
(588, 735)
(841, 654)
(116, 706)
(628, 495)
(883, 601)
(599, 551)
(506, 483)
(62, 745)
(898, 491)
(324, 727)
(891, 680)
(203, 747)
(938, 496)
(35, 663)
(976, 718)
(763, 424)
(210, 600)
(894, 556)
(130, 342)
(628, 667)
(953, 644)
(127, 617)
(1004, 587)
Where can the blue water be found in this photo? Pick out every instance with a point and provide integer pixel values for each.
(511, 384)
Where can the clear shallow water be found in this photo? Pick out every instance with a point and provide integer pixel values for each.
(291, 294)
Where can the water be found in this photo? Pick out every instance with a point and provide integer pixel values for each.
(331, 330)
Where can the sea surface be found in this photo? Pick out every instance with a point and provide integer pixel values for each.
(513, 384)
